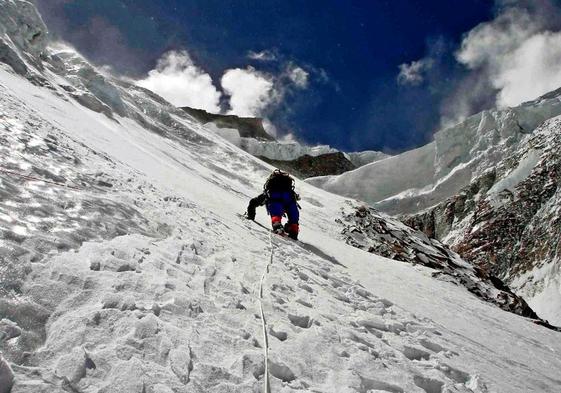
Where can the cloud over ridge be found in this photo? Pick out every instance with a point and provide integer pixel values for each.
(245, 92)
(512, 58)
(517, 52)
(413, 73)
(250, 91)
(181, 82)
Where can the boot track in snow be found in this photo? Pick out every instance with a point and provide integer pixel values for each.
(266, 387)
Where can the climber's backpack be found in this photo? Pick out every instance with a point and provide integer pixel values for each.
(279, 181)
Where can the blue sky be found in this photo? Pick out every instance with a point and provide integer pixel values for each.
(348, 52)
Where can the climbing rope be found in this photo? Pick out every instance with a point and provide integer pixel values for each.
(27, 177)
(266, 387)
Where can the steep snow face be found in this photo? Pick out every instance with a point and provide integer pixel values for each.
(142, 278)
(125, 268)
(415, 180)
(23, 36)
(384, 178)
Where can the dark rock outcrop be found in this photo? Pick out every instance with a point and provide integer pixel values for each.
(302, 167)
(310, 166)
(439, 221)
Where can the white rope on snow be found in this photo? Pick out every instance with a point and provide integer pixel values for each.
(266, 387)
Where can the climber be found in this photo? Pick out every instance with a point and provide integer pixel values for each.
(279, 197)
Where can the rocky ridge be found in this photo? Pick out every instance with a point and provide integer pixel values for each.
(310, 166)
(372, 231)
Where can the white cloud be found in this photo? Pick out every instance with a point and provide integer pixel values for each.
(178, 80)
(470, 93)
(516, 53)
(250, 91)
(247, 91)
(413, 73)
(265, 55)
(495, 39)
(298, 76)
(288, 138)
(513, 58)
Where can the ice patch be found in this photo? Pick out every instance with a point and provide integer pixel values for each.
(521, 172)
(19, 230)
(36, 142)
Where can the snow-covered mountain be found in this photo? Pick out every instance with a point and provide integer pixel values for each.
(423, 177)
(124, 266)
(507, 220)
(487, 187)
(299, 159)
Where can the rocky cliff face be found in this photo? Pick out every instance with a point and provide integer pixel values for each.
(506, 222)
(299, 160)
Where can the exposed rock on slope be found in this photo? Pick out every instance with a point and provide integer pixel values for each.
(309, 166)
(302, 161)
(371, 231)
(507, 222)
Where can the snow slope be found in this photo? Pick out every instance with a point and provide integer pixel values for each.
(127, 269)
(170, 302)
